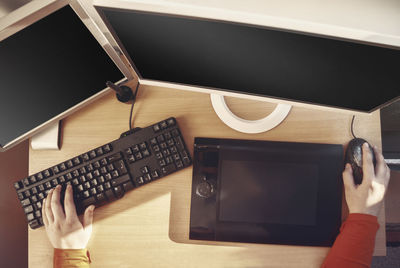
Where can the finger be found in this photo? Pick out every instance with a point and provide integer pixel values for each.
(69, 205)
(381, 166)
(56, 205)
(49, 213)
(367, 165)
(88, 217)
(348, 179)
(44, 216)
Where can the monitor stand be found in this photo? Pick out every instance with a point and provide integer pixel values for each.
(248, 126)
(48, 138)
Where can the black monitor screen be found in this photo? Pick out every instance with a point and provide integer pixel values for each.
(47, 68)
(258, 61)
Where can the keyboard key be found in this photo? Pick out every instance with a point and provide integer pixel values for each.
(75, 182)
(92, 154)
(175, 132)
(41, 187)
(110, 167)
(171, 122)
(30, 216)
(34, 199)
(146, 153)
(75, 173)
(114, 157)
(96, 173)
(143, 146)
(38, 214)
(170, 142)
(28, 209)
(85, 157)
(156, 148)
(69, 164)
(120, 166)
(156, 128)
(131, 159)
(140, 180)
(101, 180)
(96, 165)
(80, 188)
(18, 185)
(26, 202)
(47, 185)
(103, 162)
(135, 149)
(147, 178)
(168, 135)
(82, 170)
(159, 156)
(93, 191)
(27, 193)
(128, 186)
(87, 185)
(119, 192)
(34, 224)
(41, 196)
(155, 174)
(163, 125)
(88, 201)
(76, 161)
(62, 166)
(169, 160)
(153, 141)
(120, 180)
(69, 176)
(61, 179)
(101, 199)
(54, 182)
(128, 151)
(26, 182)
(20, 196)
(168, 169)
(186, 161)
(99, 151)
(138, 156)
(110, 195)
(100, 188)
(108, 176)
(89, 168)
(107, 185)
(32, 179)
(107, 148)
(179, 164)
(162, 162)
(55, 169)
(86, 194)
(160, 138)
(144, 170)
(163, 145)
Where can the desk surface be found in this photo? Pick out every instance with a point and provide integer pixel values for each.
(149, 226)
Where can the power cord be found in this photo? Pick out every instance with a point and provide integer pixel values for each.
(352, 123)
(133, 104)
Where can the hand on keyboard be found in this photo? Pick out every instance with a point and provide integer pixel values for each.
(64, 229)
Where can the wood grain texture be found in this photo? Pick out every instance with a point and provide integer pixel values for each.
(149, 227)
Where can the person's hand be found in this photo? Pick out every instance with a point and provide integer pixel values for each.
(64, 230)
(367, 197)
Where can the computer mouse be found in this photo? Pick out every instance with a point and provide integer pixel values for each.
(353, 156)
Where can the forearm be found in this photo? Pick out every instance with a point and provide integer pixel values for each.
(354, 245)
(71, 258)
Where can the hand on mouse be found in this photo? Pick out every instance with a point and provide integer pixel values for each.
(64, 230)
(367, 197)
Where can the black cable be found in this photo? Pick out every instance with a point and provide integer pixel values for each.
(352, 123)
(133, 104)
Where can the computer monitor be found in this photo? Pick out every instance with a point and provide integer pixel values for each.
(192, 47)
(51, 64)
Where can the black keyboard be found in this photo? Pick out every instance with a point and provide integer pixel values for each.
(104, 174)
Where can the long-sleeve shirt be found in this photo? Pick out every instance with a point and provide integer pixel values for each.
(353, 247)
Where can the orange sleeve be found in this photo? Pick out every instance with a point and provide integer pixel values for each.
(71, 258)
(354, 245)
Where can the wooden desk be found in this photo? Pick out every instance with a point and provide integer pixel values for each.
(149, 227)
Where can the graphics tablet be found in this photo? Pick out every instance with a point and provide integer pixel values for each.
(266, 192)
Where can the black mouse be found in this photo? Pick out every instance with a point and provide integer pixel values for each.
(354, 158)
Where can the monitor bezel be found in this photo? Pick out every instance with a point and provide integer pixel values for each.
(196, 12)
(36, 10)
